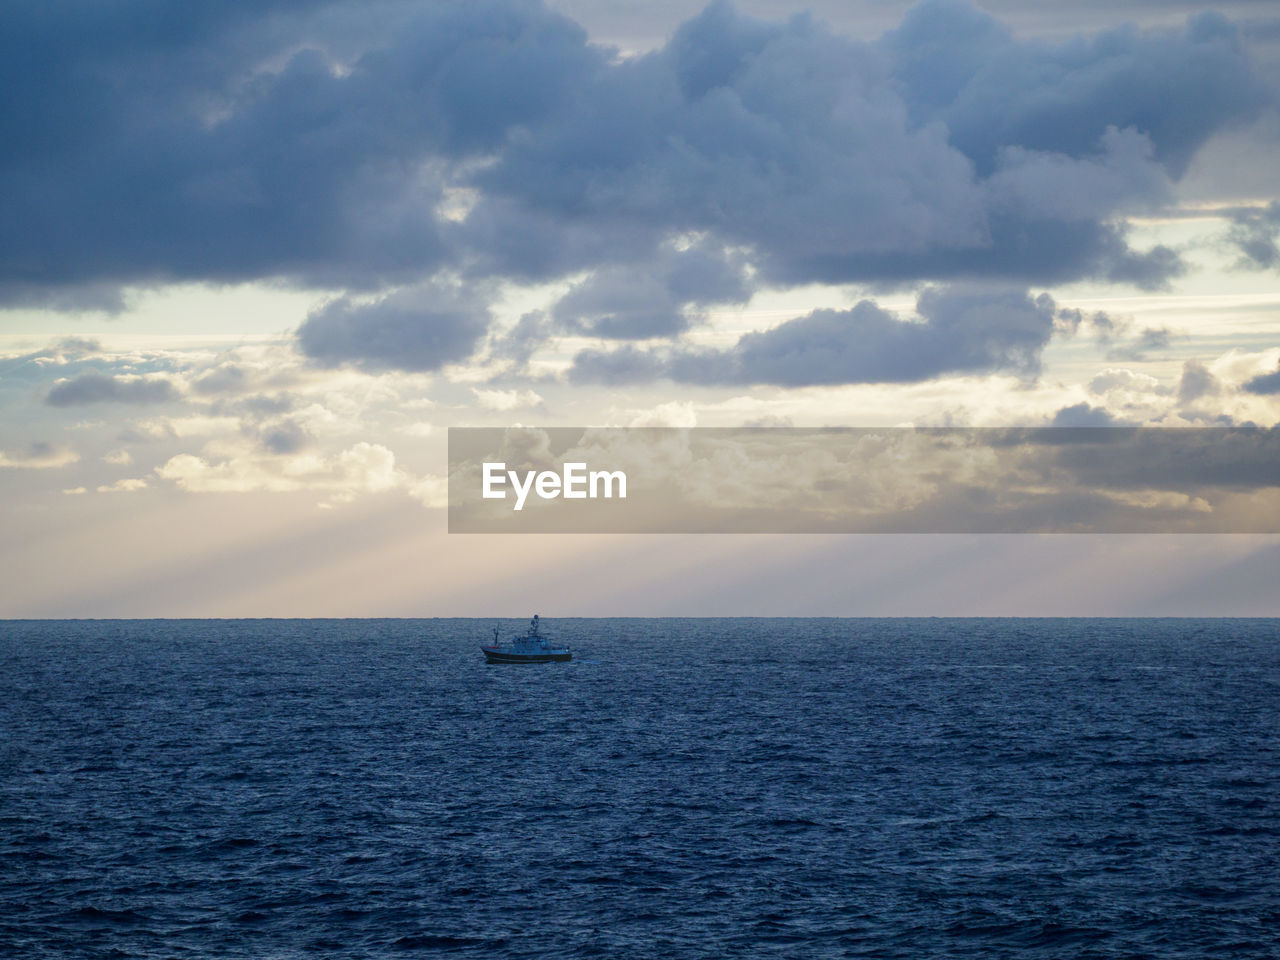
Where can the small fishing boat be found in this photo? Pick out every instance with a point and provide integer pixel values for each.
(533, 647)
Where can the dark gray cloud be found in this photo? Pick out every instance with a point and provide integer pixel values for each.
(518, 344)
(961, 66)
(640, 302)
(317, 141)
(1082, 415)
(368, 149)
(1266, 383)
(147, 144)
(951, 149)
(94, 387)
(958, 330)
(1254, 234)
(419, 328)
(1069, 321)
(1243, 457)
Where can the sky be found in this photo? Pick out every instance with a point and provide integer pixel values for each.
(257, 258)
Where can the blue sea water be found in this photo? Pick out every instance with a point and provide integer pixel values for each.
(686, 788)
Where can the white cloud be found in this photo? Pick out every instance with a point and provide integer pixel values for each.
(126, 485)
(674, 414)
(360, 469)
(431, 490)
(502, 400)
(1124, 380)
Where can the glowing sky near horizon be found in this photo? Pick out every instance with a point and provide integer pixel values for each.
(237, 318)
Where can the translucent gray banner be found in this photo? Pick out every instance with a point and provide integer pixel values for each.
(863, 480)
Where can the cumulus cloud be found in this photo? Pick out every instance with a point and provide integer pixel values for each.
(956, 330)
(653, 299)
(1265, 383)
(419, 328)
(1082, 415)
(361, 468)
(315, 144)
(1124, 381)
(94, 387)
(948, 149)
(962, 67)
(273, 139)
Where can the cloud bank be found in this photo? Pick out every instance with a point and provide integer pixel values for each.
(94, 387)
(470, 144)
(956, 331)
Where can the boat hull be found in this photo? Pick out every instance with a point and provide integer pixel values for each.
(501, 656)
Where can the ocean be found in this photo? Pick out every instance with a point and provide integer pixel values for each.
(694, 788)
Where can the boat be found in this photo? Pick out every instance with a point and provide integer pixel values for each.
(533, 647)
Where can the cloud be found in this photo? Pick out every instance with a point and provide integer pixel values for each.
(419, 328)
(166, 428)
(361, 468)
(1196, 383)
(276, 139)
(225, 378)
(648, 300)
(79, 346)
(1082, 415)
(314, 143)
(957, 330)
(506, 399)
(1254, 233)
(125, 485)
(285, 437)
(1120, 380)
(39, 456)
(1266, 384)
(1068, 321)
(960, 66)
(96, 387)
(518, 344)
(937, 153)
(1150, 338)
